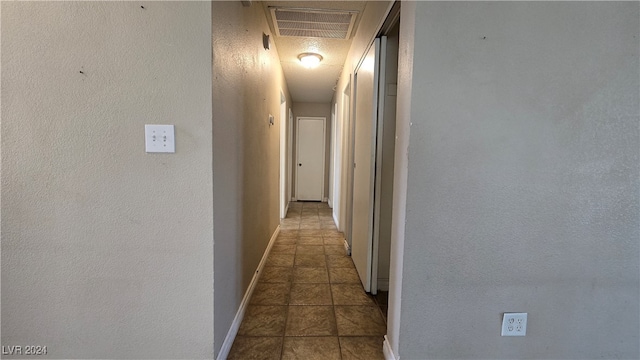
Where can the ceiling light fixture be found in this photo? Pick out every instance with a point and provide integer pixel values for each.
(310, 60)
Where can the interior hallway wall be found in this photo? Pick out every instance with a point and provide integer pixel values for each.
(301, 109)
(522, 190)
(107, 251)
(246, 88)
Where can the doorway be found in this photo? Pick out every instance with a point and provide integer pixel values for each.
(284, 200)
(344, 210)
(373, 158)
(364, 154)
(289, 191)
(310, 156)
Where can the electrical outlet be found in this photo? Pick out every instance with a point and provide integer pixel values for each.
(159, 139)
(514, 324)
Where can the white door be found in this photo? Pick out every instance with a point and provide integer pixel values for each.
(366, 128)
(310, 142)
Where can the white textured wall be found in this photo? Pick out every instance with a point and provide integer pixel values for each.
(246, 88)
(523, 186)
(107, 252)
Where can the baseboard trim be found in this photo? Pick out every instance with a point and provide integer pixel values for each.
(235, 325)
(335, 220)
(330, 203)
(347, 248)
(325, 199)
(386, 350)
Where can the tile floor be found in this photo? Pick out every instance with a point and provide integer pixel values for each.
(309, 303)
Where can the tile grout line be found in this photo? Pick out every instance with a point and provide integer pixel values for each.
(293, 267)
(333, 304)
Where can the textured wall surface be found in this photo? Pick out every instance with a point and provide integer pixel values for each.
(107, 252)
(523, 188)
(313, 110)
(246, 88)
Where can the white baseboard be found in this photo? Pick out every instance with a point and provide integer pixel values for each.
(386, 350)
(294, 199)
(335, 220)
(330, 203)
(383, 284)
(347, 248)
(235, 325)
(325, 200)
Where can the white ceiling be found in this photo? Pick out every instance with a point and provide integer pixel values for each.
(313, 85)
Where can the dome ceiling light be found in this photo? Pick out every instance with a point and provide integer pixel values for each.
(310, 60)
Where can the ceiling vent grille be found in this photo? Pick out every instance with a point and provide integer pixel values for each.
(328, 24)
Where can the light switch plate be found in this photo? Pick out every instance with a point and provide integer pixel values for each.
(159, 139)
(514, 324)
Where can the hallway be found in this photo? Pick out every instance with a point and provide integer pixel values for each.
(309, 303)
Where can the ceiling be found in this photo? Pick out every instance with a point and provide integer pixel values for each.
(317, 84)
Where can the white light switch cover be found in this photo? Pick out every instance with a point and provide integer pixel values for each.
(159, 139)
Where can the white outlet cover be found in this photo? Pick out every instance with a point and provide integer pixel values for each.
(159, 138)
(514, 324)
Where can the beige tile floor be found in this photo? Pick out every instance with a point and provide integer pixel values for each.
(309, 303)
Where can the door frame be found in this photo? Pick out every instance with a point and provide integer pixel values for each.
(332, 161)
(377, 187)
(337, 168)
(290, 194)
(283, 200)
(324, 148)
(344, 223)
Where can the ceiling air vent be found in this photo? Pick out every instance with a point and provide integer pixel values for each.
(328, 24)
